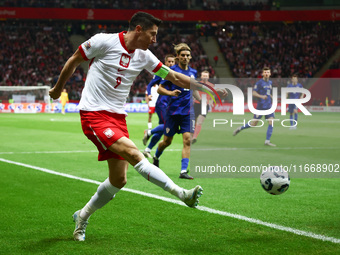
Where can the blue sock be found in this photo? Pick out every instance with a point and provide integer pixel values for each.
(295, 116)
(269, 132)
(291, 120)
(185, 163)
(157, 129)
(154, 139)
(245, 126)
(158, 153)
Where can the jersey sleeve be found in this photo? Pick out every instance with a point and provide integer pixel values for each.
(155, 80)
(154, 66)
(257, 87)
(90, 48)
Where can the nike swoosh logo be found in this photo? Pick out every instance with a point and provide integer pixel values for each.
(120, 70)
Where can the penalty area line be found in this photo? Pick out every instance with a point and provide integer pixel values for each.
(174, 201)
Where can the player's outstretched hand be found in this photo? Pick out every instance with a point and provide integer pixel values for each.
(175, 93)
(55, 94)
(222, 92)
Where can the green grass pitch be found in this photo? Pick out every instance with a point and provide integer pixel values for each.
(236, 215)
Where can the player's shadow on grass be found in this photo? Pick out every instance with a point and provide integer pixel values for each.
(46, 244)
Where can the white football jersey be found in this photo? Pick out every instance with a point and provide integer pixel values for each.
(112, 70)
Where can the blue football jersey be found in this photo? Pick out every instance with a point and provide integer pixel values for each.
(179, 105)
(264, 88)
(156, 80)
(294, 95)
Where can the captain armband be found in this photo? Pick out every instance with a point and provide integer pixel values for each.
(163, 71)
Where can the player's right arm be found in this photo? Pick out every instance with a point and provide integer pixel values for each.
(255, 94)
(70, 66)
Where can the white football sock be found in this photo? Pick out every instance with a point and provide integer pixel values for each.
(147, 149)
(155, 175)
(105, 192)
(149, 125)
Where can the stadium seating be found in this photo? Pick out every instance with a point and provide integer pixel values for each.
(299, 47)
(33, 52)
(141, 5)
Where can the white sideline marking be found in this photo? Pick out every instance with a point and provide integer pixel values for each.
(175, 150)
(201, 208)
(44, 152)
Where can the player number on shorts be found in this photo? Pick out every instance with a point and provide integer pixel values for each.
(118, 81)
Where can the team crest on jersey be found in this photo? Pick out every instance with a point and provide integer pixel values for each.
(167, 130)
(108, 133)
(87, 45)
(125, 60)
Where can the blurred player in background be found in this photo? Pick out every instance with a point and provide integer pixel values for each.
(178, 111)
(151, 99)
(262, 90)
(292, 108)
(199, 117)
(115, 64)
(63, 100)
(161, 105)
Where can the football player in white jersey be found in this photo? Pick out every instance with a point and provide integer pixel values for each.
(151, 101)
(115, 61)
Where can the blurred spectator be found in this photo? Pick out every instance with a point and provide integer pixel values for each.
(335, 64)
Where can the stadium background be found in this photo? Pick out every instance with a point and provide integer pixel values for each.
(237, 216)
(231, 39)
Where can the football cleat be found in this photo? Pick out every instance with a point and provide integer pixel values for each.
(270, 144)
(237, 130)
(194, 141)
(155, 161)
(146, 137)
(185, 175)
(191, 196)
(147, 154)
(79, 231)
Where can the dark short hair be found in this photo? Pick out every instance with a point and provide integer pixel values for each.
(145, 20)
(266, 68)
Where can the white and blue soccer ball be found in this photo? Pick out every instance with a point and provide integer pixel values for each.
(275, 180)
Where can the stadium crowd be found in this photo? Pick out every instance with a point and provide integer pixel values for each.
(299, 47)
(216, 5)
(141, 5)
(32, 53)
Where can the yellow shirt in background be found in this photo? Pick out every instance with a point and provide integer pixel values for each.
(64, 97)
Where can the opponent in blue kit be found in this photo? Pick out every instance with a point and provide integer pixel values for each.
(292, 108)
(161, 105)
(262, 90)
(177, 118)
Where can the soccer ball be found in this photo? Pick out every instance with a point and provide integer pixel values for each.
(275, 180)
